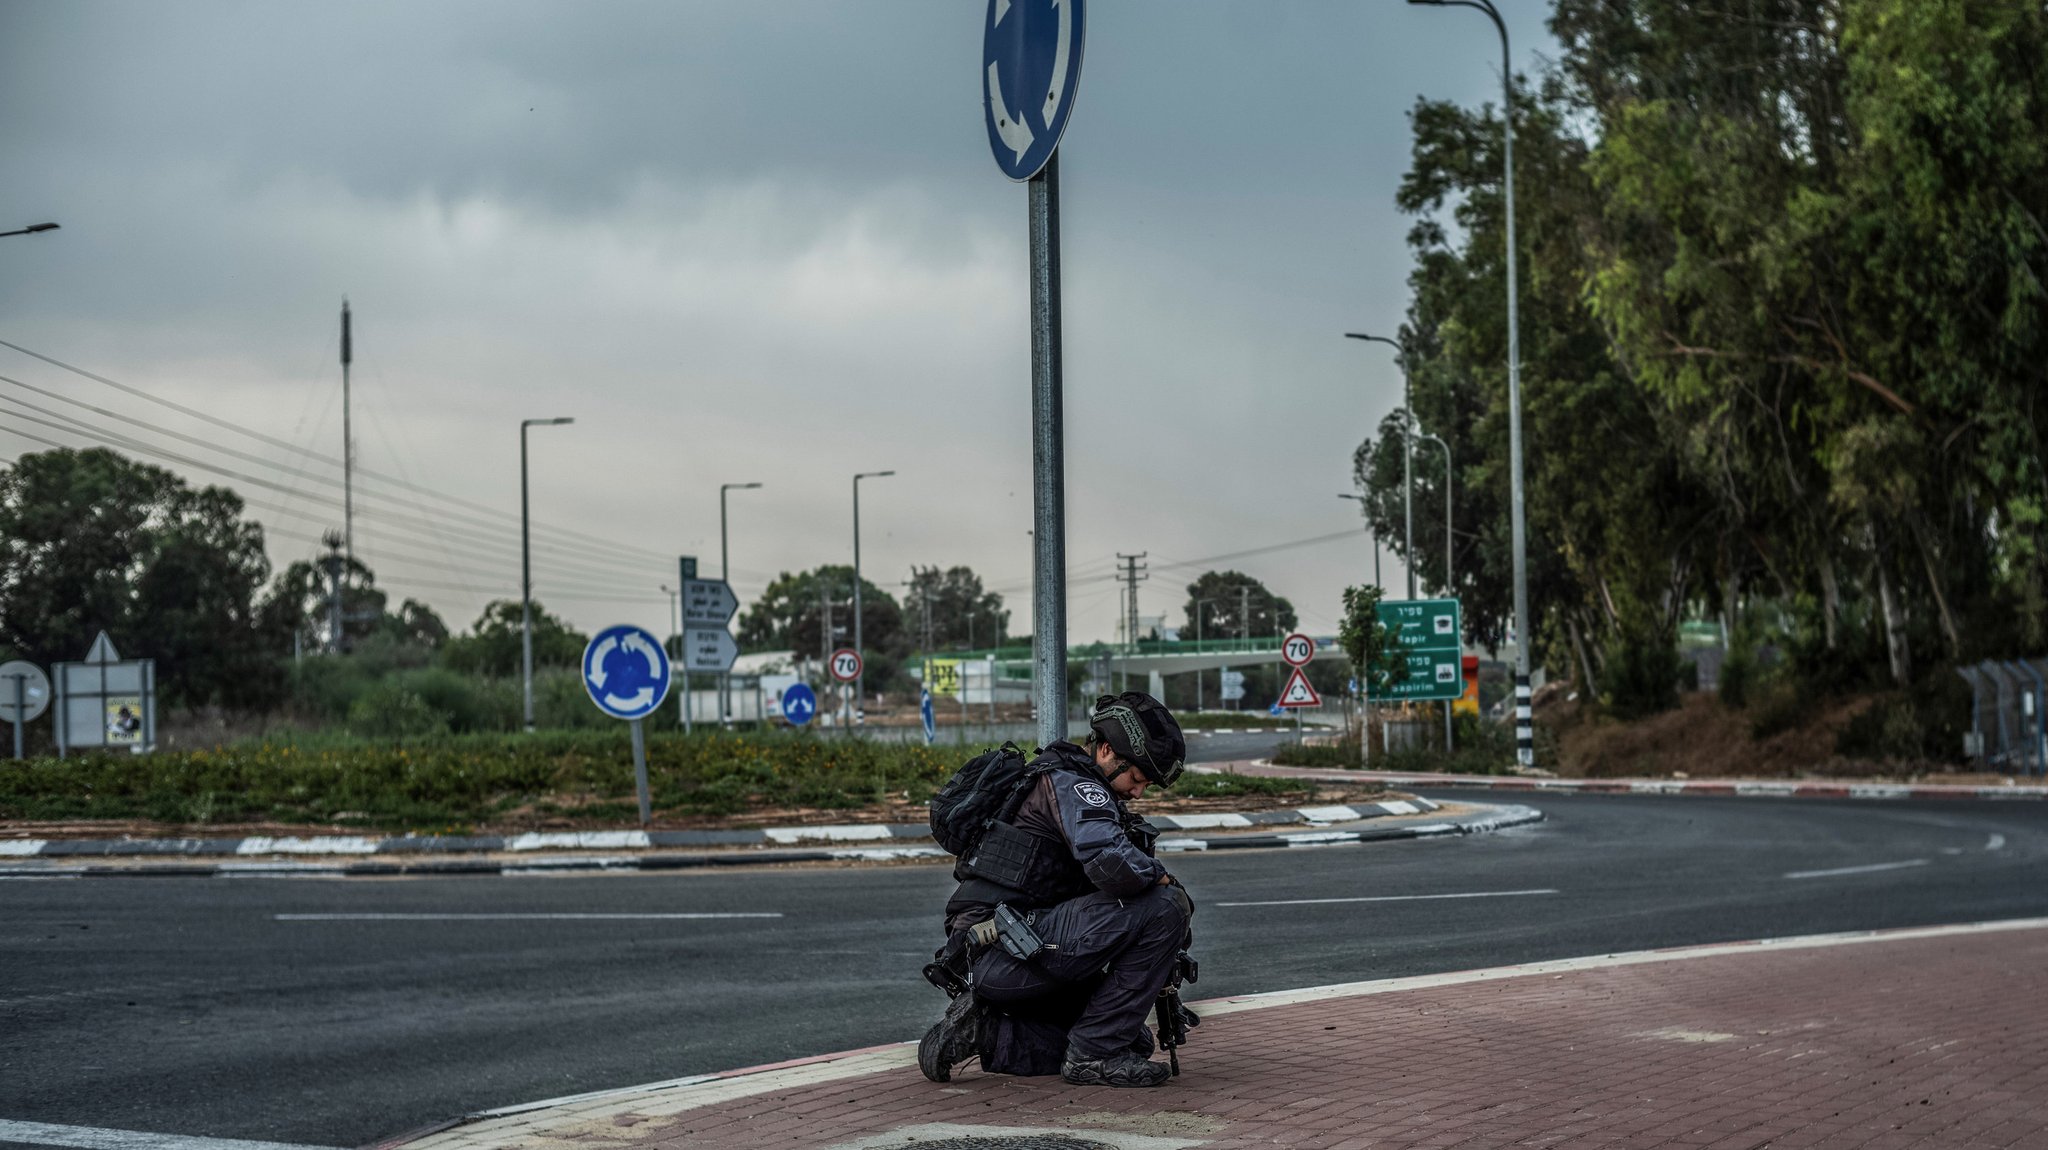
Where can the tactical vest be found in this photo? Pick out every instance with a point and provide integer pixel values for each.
(1027, 870)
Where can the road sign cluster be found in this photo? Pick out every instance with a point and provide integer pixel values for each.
(1297, 651)
(708, 605)
(1428, 634)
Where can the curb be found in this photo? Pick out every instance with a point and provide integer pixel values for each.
(328, 845)
(544, 1122)
(1724, 788)
(1492, 819)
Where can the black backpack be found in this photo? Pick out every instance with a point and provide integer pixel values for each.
(986, 791)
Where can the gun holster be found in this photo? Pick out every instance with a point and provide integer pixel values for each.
(1011, 931)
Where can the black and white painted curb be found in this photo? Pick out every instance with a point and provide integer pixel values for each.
(430, 845)
(1478, 822)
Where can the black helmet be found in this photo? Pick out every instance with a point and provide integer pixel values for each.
(1142, 731)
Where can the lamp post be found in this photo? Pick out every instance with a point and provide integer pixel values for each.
(526, 566)
(1199, 604)
(1525, 734)
(860, 709)
(1362, 506)
(725, 576)
(1450, 588)
(31, 230)
(1407, 449)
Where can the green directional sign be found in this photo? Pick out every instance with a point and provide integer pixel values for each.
(1428, 634)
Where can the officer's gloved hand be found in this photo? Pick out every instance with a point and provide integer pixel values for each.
(1179, 895)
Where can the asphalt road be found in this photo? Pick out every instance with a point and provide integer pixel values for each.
(232, 1008)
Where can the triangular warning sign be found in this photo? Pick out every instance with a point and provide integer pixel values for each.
(102, 651)
(1298, 693)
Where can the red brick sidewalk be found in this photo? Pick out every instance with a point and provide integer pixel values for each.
(1934, 1038)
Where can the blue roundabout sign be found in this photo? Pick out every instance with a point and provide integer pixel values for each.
(626, 671)
(1030, 66)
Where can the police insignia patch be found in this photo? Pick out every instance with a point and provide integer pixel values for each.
(1094, 794)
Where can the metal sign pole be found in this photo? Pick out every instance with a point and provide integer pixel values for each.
(1048, 461)
(20, 710)
(640, 771)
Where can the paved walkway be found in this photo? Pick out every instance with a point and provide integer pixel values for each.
(1934, 1038)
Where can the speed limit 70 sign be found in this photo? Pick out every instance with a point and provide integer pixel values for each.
(846, 664)
(1297, 649)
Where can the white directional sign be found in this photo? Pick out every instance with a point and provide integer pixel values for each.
(846, 664)
(626, 671)
(1297, 649)
(708, 602)
(709, 649)
(1233, 686)
(1299, 692)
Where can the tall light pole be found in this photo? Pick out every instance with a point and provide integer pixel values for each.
(1199, 604)
(1525, 732)
(725, 576)
(1407, 449)
(675, 623)
(1450, 589)
(31, 230)
(1363, 506)
(860, 708)
(526, 566)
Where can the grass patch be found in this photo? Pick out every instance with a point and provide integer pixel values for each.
(454, 783)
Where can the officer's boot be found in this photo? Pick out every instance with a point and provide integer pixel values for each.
(1124, 1068)
(954, 1039)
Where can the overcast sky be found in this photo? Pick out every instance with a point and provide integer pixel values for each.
(736, 242)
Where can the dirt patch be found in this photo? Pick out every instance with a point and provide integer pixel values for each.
(1702, 739)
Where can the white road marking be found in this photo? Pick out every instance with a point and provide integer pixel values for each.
(96, 1138)
(1997, 843)
(1392, 898)
(1870, 869)
(512, 917)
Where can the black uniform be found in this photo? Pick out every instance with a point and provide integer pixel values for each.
(1081, 864)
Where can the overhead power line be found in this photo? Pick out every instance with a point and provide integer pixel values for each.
(322, 457)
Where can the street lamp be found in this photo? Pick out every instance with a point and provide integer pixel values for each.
(1525, 734)
(675, 627)
(860, 710)
(1199, 604)
(526, 566)
(1450, 590)
(1407, 448)
(1364, 507)
(31, 230)
(725, 576)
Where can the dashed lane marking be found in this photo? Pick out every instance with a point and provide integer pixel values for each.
(1393, 898)
(368, 917)
(96, 1138)
(1997, 843)
(1872, 868)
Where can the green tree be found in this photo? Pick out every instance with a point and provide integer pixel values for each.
(92, 541)
(1234, 605)
(962, 615)
(494, 644)
(789, 615)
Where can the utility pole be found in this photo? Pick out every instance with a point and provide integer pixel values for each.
(824, 625)
(860, 708)
(348, 443)
(1132, 576)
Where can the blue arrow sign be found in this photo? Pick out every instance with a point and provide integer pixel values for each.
(931, 723)
(799, 704)
(626, 671)
(1030, 66)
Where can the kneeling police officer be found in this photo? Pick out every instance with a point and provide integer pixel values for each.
(1077, 866)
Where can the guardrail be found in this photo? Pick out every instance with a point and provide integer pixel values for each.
(2011, 733)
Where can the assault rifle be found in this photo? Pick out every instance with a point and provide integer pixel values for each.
(1176, 1020)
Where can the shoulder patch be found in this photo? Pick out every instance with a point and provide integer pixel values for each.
(1094, 794)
